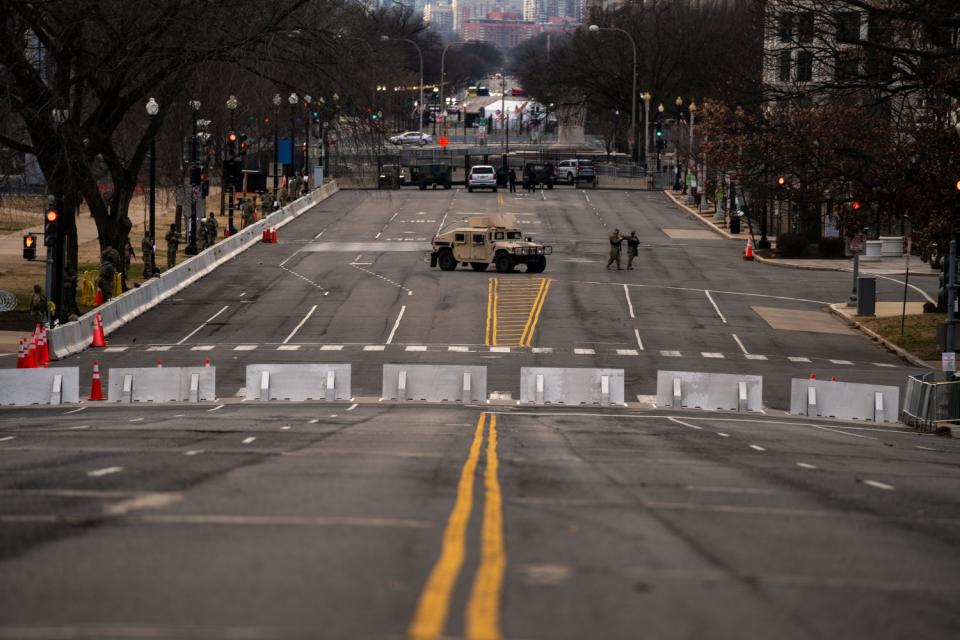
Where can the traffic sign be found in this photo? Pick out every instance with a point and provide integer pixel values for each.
(949, 360)
(858, 243)
(443, 141)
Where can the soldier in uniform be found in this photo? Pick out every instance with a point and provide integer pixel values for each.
(69, 302)
(248, 212)
(294, 188)
(633, 248)
(146, 250)
(39, 310)
(616, 241)
(173, 241)
(210, 226)
(284, 197)
(108, 272)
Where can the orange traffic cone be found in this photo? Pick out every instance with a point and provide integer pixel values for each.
(206, 362)
(266, 234)
(98, 339)
(813, 376)
(159, 363)
(96, 390)
(31, 356)
(46, 345)
(42, 347)
(273, 235)
(99, 299)
(21, 357)
(748, 252)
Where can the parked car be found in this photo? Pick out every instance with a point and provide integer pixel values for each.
(482, 176)
(576, 170)
(411, 137)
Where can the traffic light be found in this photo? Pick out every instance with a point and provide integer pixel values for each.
(942, 291)
(315, 114)
(196, 174)
(29, 247)
(232, 147)
(51, 227)
(244, 144)
(659, 131)
(855, 205)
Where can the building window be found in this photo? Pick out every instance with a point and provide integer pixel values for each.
(805, 27)
(786, 27)
(804, 66)
(848, 26)
(785, 63)
(847, 68)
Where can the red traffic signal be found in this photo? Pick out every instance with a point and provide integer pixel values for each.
(232, 137)
(781, 181)
(957, 185)
(51, 215)
(855, 205)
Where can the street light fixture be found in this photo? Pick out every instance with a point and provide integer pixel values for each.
(153, 108)
(191, 248)
(646, 97)
(386, 38)
(633, 99)
(232, 105)
(276, 146)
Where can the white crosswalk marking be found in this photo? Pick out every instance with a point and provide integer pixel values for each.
(289, 347)
(671, 354)
(202, 347)
(841, 362)
(797, 359)
(754, 356)
(458, 348)
(416, 347)
(115, 349)
(159, 348)
(332, 347)
(500, 349)
(245, 347)
(374, 347)
(584, 352)
(542, 350)
(627, 352)
(711, 354)
(883, 364)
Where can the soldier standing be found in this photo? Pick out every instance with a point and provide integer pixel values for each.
(284, 197)
(616, 241)
(173, 241)
(248, 211)
(512, 179)
(210, 225)
(633, 248)
(147, 251)
(39, 309)
(108, 271)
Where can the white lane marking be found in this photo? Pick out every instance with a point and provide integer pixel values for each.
(542, 350)
(316, 237)
(352, 407)
(302, 322)
(66, 413)
(159, 348)
(804, 465)
(136, 419)
(145, 501)
(115, 349)
(82, 426)
(245, 347)
(852, 435)
(97, 473)
(879, 485)
(289, 347)
(7, 438)
(712, 354)
(722, 434)
(500, 349)
(757, 447)
(288, 258)
(926, 448)
(248, 440)
(203, 347)
(385, 279)
(243, 293)
(915, 288)
(740, 344)
(357, 259)
(331, 347)
(314, 421)
(797, 359)
(671, 354)
(395, 325)
(285, 428)
(731, 293)
(754, 356)
(377, 237)
(374, 347)
(210, 319)
(305, 279)
(584, 352)
(686, 424)
(193, 452)
(334, 415)
(216, 408)
(627, 352)
(626, 292)
(715, 307)
(416, 347)
(841, 362)
(459, 349)
(882, 364)
(636, 332)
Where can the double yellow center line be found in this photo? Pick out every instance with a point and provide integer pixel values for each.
(513, 310)
(483, 607)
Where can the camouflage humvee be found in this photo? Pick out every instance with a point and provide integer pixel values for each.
(491, 239)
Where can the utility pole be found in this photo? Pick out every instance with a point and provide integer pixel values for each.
(191, 248)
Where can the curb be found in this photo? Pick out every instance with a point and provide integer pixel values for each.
(689, 211)
(876, 337)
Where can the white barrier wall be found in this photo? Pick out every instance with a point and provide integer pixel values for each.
(76, 336)
(298, 382)
(162, 384)
(571, 386)
(57, 385)
(434, 382)
(844, 400)
(709, 391)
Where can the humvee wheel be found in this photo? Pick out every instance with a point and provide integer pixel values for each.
(479, 266)
(538, 265)
(503, 262)
(446, 261)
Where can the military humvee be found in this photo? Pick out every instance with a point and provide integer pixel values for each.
(491, 239)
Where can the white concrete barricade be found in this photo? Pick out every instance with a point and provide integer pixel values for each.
(434, 382)
(57, 385)
(844, 400)
(709, 391)
(162, 384)
(73, 337)
(298, 382)
(571, 386)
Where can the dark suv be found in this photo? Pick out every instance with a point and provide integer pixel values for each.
(536, 174)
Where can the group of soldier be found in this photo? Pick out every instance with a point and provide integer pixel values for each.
(616, 247)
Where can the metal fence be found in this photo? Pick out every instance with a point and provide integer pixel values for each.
(929, 404)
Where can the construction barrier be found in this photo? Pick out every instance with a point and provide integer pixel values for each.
(709, 391)
(74, 337)
(844, 400)
(59, 385)
(928, 403)
(162, 384)
(434, 382)
(569, 386)
(298, 382)
(88, 289)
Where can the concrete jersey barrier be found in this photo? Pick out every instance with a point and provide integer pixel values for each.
(571, 386)
(844, 400)
(162, 384)
(57, 385)
(298, 382)
(709, 391)
(434, 382)
(74, 337)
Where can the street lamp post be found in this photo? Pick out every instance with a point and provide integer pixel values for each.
(307, 99)
(191, 248)
(153, 108)
(292, 99)
(702, 178)
(276, 146)
(660, 110)
(634, 137)
(231, 107)
(679, 102)
(386, 38)
(646, 97)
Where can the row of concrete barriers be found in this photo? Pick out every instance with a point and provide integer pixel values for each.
(456, 383)
(74, 337)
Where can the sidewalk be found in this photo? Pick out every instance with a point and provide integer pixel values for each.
(884, 267)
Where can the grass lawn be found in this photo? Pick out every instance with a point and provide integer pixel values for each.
(919, 335)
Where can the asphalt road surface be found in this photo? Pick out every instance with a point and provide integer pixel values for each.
(370, 519)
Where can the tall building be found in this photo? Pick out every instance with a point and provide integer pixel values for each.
(440, 17)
